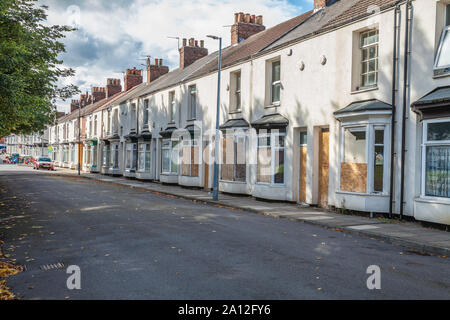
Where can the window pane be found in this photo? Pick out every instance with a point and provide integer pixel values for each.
(444, 55)
(141, 163)
(379, 136)
(263, 141)
(303, 138)
(447, 15)
(354, 146)
(354, 165)
(378, 170)
(166, 160)
(437, 178)
(276, 71)
(279, 166)
(438, 131)
(276, 88)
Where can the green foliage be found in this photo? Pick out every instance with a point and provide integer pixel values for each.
(29, 67)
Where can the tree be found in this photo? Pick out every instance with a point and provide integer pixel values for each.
(30, 67)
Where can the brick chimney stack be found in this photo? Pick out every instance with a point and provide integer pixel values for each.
(85, 99)
(245, 25)
(98, 93)
(74, 105)
(154, 71)
(191, 52)
(133, 77)
(320, 4)
(113, 87)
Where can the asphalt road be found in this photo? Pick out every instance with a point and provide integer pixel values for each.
(133, 244)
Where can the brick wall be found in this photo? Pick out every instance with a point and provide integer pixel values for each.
(245, 25)
(191, 52)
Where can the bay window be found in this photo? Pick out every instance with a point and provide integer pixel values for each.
(144, 157)
(436, 158)
(233, 167)
(170, 156)
(271, 157)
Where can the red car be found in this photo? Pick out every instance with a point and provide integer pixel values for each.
(43, 163)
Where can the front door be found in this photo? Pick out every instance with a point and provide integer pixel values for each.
(324, 146)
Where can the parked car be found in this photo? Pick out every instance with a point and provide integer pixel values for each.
(43, 163)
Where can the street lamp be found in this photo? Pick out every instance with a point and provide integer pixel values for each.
(215, 196)
(79, 136)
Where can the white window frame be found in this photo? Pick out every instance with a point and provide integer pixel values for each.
(273, 149)
(441, 42)
(424, 145)
(171, 149)
(236, 135)
(143, 153)
(192, 106)
(273, 83)
(145, 116)
(172, 107)
(361, 61)
(369, 128)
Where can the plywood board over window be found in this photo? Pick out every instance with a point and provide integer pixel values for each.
(194, 161)
(354, 177)
(264, 165)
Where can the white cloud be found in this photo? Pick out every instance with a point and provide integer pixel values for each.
(114, 35)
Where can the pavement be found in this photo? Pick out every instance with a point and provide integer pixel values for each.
(409, 234)
(138, 243)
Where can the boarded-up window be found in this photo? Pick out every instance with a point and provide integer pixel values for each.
(233, 167)
(271, 157)
(354, 164)
(190, 159)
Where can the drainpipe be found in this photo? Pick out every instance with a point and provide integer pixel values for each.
(138, 102)
(408, 21)
(397, 18)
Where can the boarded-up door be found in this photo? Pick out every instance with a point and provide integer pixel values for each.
(302, 182)
(324, 147)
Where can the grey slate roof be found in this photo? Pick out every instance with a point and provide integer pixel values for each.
(440, 95)
(271, 121)
(235, 123)
(362, 106)
(331, 17)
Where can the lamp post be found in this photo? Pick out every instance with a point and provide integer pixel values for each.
(215, 196)
(79, 136)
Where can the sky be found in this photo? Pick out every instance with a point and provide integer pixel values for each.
(113, 35)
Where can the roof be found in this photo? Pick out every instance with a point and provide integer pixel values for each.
(331, 17)
(363, 106)
(235, 123)
(230, 55)
(440, 95)
(271, 121)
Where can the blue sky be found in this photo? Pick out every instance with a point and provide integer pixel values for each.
(114, 35)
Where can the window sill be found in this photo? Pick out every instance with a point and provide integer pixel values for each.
(233, 182)
(436, 200)
(171, 122)
(169, 173)
(276, 185)
(362, 194)
(441, 73)
(364, 90)
(273, 105)
(235, 111)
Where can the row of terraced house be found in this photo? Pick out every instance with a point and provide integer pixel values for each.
(344, 106)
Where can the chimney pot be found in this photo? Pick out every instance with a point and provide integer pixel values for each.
(202, 43)
(252, 18)
(191, 42)
(247, 18)
(184, 42)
